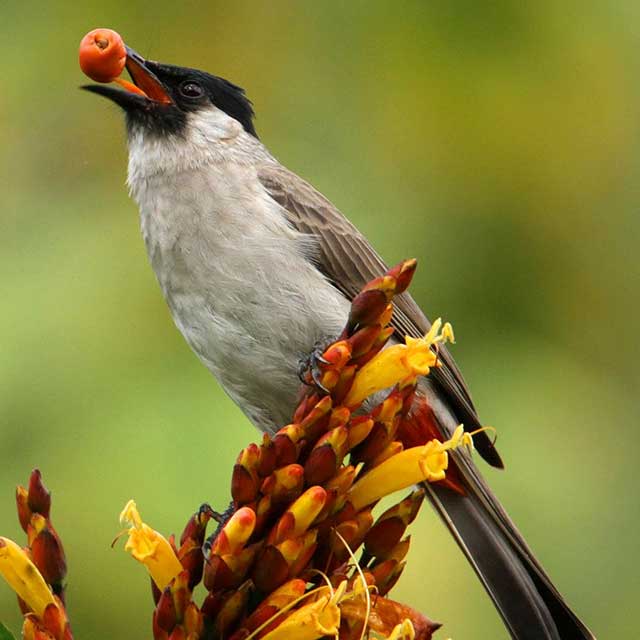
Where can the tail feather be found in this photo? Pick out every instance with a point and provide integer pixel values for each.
(531, 607)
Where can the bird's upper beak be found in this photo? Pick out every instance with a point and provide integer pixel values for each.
(146, 91)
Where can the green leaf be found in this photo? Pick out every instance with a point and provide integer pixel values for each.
(5, 634)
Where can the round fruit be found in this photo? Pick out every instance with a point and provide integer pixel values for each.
(102, 55)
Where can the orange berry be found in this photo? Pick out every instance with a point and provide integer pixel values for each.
(102, 55)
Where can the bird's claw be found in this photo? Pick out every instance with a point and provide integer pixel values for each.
(316, 375)
(311, 364)
(207, 509)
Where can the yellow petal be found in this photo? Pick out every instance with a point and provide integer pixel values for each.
(405, 469)
(398, 363)
(447, 333)
(23, 577)
(402, 631)
(314, 620)
(150, 547)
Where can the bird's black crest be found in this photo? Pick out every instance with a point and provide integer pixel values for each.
(232, 99)
(225, 95)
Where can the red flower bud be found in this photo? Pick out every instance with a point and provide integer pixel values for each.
(39, 496)
(267, 462)
(403, 272)
(317, 420)
(388, 530)
(367, 307)
(326, 456)
(47, 552)
(364, 339)
(232, 610)
(244, 481)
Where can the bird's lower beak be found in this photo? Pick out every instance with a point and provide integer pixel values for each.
(146, 90)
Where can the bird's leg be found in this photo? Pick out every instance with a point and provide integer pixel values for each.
(221, 519)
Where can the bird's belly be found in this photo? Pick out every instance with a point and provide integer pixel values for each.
(254, 349)
(250, 314)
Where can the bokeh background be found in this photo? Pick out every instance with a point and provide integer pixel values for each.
(498, 142)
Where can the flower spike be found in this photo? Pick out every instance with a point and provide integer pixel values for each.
(282, 561)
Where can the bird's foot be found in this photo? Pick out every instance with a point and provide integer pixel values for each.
(309, 369)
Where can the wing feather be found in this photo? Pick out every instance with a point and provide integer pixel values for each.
(347, 259)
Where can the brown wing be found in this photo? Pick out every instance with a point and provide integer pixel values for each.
(347, 259)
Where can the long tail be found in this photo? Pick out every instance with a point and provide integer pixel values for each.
(531, 607)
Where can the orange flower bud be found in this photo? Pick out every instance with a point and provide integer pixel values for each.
(244, 480)
(342, 386)
(339, 417)
(284, 484)
(299, 516)
(317, 420)
(235, 532)
(359, 428)
(337, 355)
(24, 511)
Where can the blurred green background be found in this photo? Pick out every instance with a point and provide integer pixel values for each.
(498, 142)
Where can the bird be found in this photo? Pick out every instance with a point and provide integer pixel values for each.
(257, 267)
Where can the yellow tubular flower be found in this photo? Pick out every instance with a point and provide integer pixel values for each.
(23, 577)
(428, 462)
(314, 620)
(149, 547)
(398, 363)
(402, 631)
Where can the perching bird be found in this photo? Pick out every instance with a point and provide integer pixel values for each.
(257, 267)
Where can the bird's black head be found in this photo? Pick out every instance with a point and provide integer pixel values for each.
(168, 93)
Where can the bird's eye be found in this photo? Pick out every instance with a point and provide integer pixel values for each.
(191, 90)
